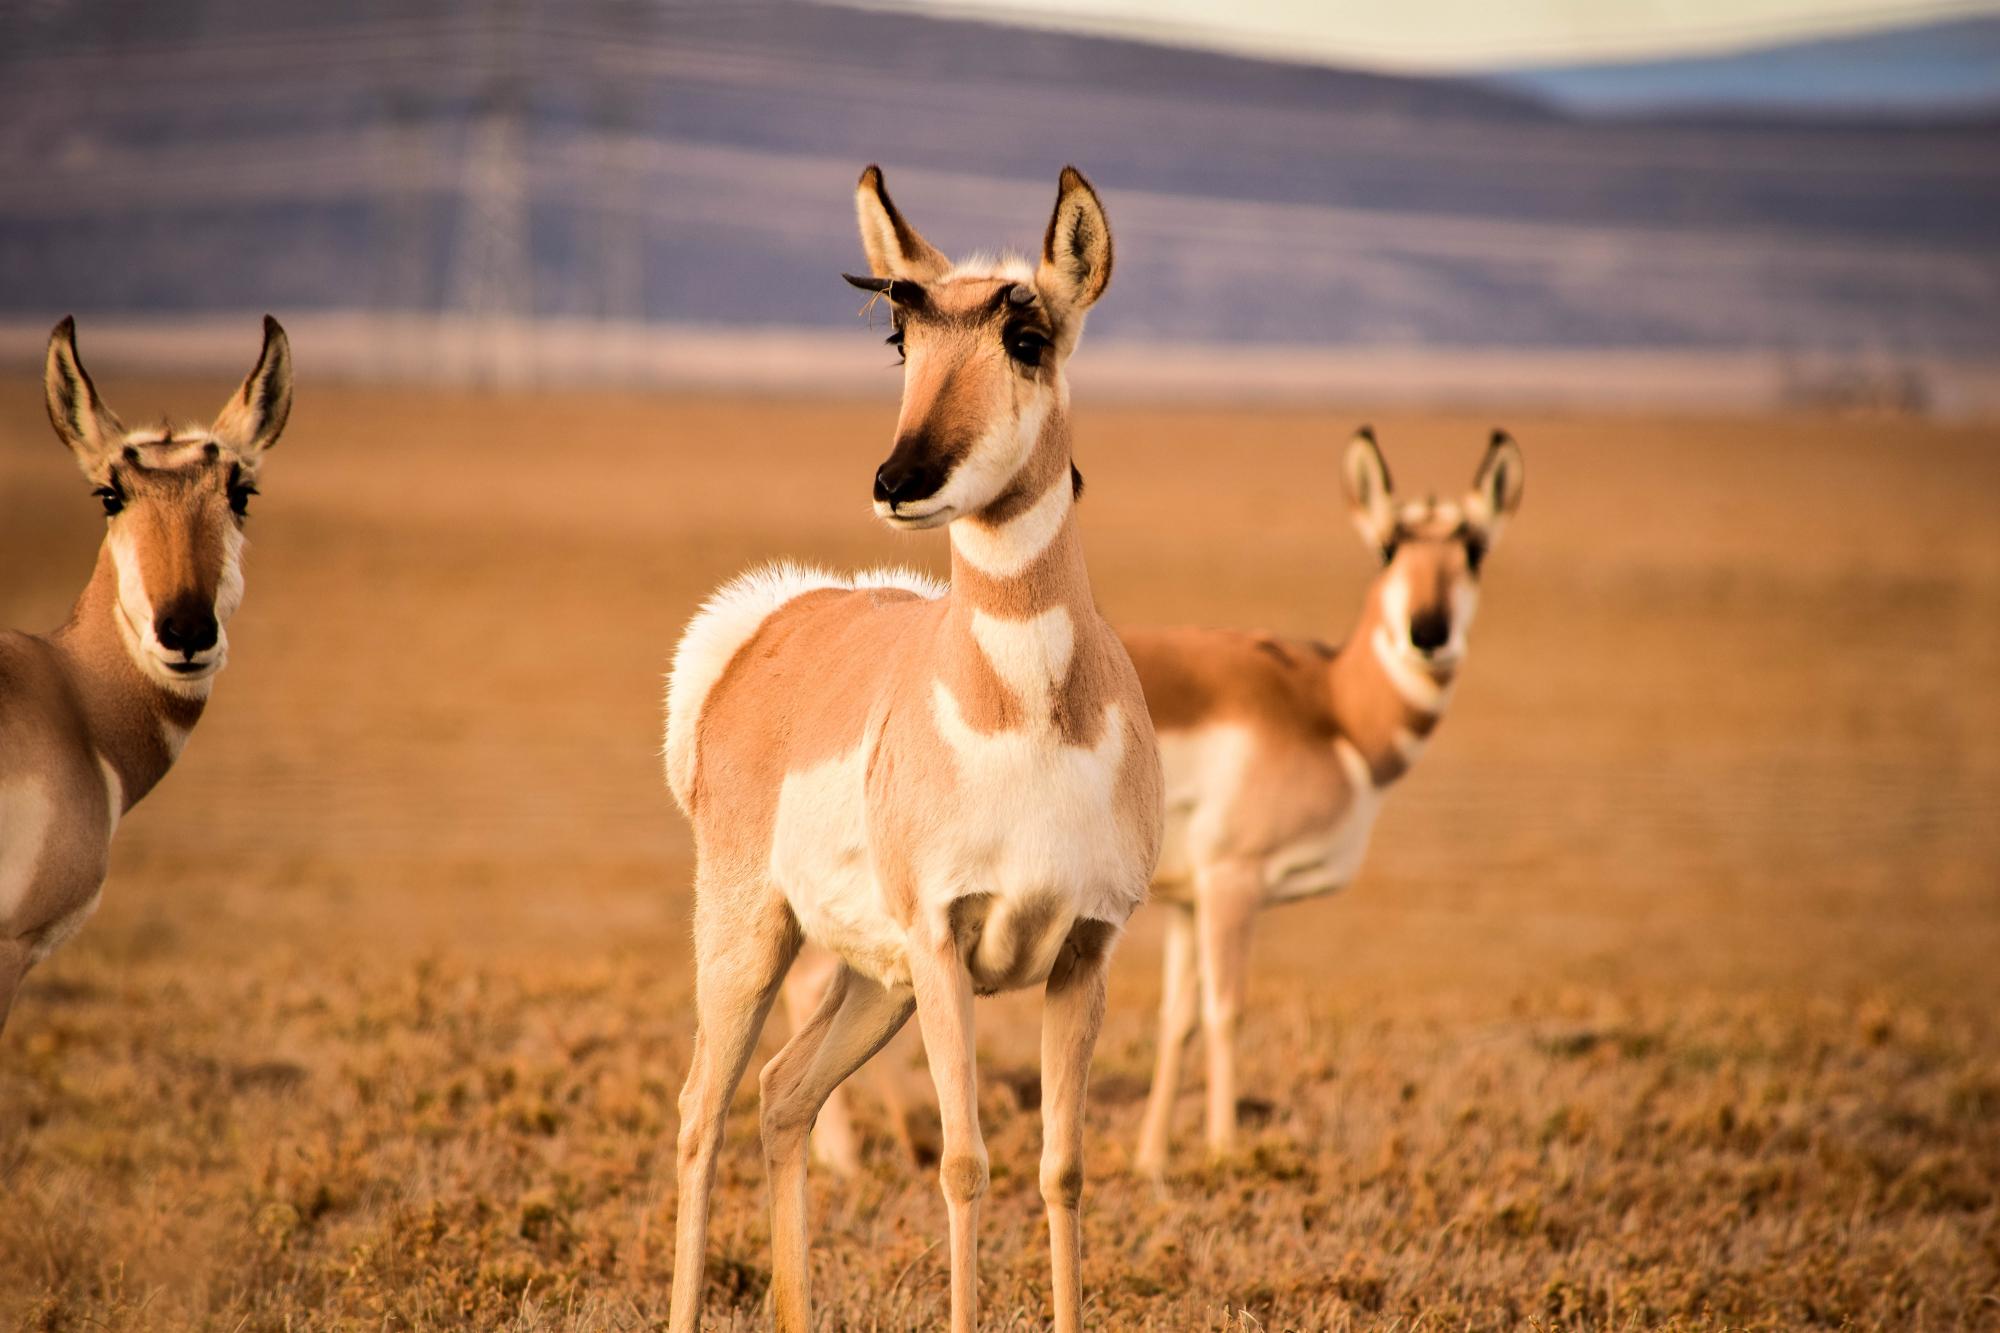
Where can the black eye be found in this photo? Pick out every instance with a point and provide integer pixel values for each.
(895, 340)
(1025, 346)
(113, 500)
(239, 497)
(1475, 551)
(1389, 550)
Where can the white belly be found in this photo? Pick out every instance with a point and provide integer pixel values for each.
(820, 862)
(1210, 780)
(1204, 770)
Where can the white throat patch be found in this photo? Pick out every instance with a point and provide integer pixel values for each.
(1005, 550)
(1030, 656)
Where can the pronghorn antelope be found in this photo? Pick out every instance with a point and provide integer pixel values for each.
(1278, 754)
(93, 714)
(954, 788)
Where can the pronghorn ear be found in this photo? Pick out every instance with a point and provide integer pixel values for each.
(1076, 249)
(1368, 490)
(1496, 488)
(255, 414)
(86, 425)
(894, 247)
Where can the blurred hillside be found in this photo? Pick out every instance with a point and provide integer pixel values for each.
(643, 169)
(1951, 66)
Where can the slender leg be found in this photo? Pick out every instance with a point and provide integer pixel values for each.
(1179, 1008)
(944, 1011)
(896, 1107)
(1073, 1010)
(739, 965)
(855, 1019)
(1226, 905)
(836, 1145)
(13, 966)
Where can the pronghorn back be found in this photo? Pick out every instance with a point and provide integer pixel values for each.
(727, 621)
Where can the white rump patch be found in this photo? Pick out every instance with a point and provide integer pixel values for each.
(727, 621)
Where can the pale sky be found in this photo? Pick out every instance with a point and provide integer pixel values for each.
(1456, 34)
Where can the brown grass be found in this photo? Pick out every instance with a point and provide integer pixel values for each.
(1666, 1000)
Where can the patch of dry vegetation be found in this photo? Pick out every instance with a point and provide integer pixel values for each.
(1666, 1002)
(437, 1146)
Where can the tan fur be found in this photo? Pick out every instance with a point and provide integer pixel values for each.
(905, 777)
(1277, 753)
(93, 714)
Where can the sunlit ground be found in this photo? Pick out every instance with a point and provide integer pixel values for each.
(1666, 999)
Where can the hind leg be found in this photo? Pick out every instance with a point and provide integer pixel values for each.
(856, 1017)
(836, 1144)
(1179, 1009)
(740, 961)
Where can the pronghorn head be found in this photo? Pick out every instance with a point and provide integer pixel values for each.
(983, 346)
(174, 502)
(1431, 549)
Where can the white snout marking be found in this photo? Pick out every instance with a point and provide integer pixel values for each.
(135, 619)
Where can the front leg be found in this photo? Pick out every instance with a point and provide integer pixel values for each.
(1072, 1012)
(943, 988)
(1227, 899)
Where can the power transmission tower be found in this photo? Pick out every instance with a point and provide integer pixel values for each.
(492, 269)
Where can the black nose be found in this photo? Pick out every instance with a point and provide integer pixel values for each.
(1429, 631)
(186, 630)
(907, 476)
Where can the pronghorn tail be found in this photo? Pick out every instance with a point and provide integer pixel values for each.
(727, 621)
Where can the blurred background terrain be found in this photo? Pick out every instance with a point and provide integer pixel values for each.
(529, 192)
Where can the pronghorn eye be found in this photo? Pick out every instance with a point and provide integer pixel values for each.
(240, 491)
(1026, 346)
(895, 340)
(113, 501)
(1475, 551)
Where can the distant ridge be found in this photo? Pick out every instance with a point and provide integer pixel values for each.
(1941, 71)
(689, 166)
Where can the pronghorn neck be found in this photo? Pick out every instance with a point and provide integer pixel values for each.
(1021, 555)
(136, 726)
(1020, 595)
(1385, 700)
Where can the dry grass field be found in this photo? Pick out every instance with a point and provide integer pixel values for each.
(1667, 1000)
